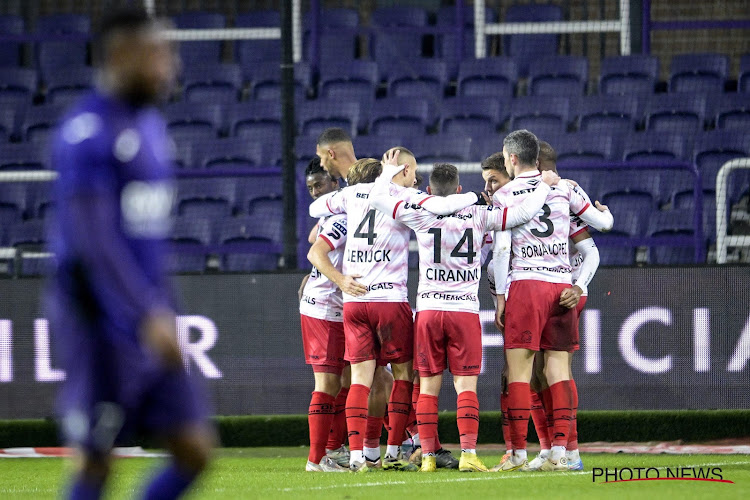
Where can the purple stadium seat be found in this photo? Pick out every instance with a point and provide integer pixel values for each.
(351, 81)
(250, 189)
(685, 202)
(677, 113)
(472, 116)
(39, 121)
(714, 148)
(254, 119)
(483, 146)
(655, 146)
(7, 123)
(399, 16)
(27, 235)
(666, 224)
(13, 203)
(374, 146)
(267, 214)
(624, 75)
(558, 75)
(18, 85)
(265, 80)
(27, 156)
(206, 52)
(315, 116)
(11, 54)
(525, 48)
(70, 83)
(446, 42)
(733, 112)
(39, 200)
(608, 113)
(698, 73)
(586, 147)
(183, 154)
(743, 80)
(441, 148)
(539, 112)
(232, 153)
(337, 38)
(218, 193)
(191, 229)
(492, 76)
(53, 56)
(305, 148)
(188, 116)
(418, 78)
(250, 52)
(392, 47)
(212, 84)
(399, 116)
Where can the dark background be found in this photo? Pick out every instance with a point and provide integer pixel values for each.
(259, 350)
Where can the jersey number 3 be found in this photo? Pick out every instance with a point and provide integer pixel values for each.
(468, 238)
(544, 219)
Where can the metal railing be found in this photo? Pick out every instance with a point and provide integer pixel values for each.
(724, 240)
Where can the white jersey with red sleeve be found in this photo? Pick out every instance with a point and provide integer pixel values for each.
(450, 254)
(540, 247)
(321, 298)
(577, 226)
(377, 246)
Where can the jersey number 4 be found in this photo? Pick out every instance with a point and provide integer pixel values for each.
(369, 220)
(544, 219)
(468, 238)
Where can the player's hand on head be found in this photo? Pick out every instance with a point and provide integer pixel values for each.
(600, 207)
(349, 285)
(159, 334)
(549, 177)
(570, 296)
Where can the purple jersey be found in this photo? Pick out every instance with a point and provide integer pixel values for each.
(115, 193)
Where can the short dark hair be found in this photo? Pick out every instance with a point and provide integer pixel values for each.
(495, 161)
(403, 150)
(314, 167)
(120, 20)
(333, 135)
(363, 171)
(444, 179)
(547, 154)
(523, 144)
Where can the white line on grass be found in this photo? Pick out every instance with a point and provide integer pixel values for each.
(483, 477)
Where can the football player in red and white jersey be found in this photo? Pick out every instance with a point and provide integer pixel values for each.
(377, 316)
(321, 317)
(336, 152)
(541, 278)
(447, 325)
(584, 261)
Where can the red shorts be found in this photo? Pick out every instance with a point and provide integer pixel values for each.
(530, 307)
(557, 323)
(378, 330)
(323, 342)
(455, 337)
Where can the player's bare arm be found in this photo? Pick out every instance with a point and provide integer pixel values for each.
(302, 285)
(313, 234)
(600, 219)
(500, 267)
(318, 256)
(590, 253)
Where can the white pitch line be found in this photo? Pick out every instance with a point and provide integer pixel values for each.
(483, 477)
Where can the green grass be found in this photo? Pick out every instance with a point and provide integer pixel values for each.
(277, 473)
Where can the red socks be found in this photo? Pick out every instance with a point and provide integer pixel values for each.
(337, 436)
(562, 404)
(546, 396)
(505, 421)
(356, 415)
(411, 427)
(539, 417)
(467, 417)
(573, 436)
(427, 421)
(519, 409)
(398, 411)
(374, 430)
(319, 418)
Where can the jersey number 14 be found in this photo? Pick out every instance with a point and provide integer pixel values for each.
(468, 238)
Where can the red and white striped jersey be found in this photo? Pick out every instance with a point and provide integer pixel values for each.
(450, 253)
(321, 298)
(377, 247)
(540, 247)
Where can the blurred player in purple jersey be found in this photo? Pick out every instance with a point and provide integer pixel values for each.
(110, 304)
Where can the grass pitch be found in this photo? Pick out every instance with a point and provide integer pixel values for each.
(279, 473)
